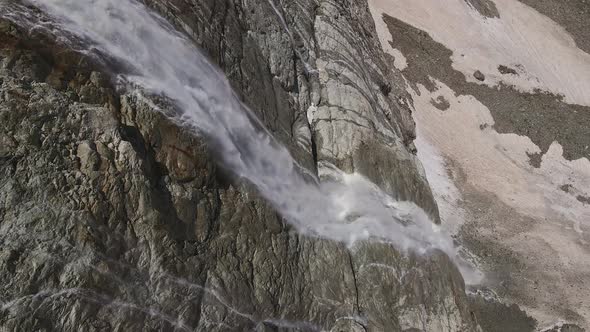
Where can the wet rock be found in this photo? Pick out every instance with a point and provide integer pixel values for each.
(354, 127)
(113, 218)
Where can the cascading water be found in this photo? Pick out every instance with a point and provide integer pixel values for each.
(159, 60)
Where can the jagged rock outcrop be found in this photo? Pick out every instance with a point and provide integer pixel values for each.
(112, 218)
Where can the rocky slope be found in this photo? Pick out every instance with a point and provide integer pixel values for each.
(112, 218)
(503, 125)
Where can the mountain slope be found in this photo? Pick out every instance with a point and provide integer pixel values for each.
(114, 218)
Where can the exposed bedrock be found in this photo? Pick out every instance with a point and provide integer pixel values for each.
(112, 218)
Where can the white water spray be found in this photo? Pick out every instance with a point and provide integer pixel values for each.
(161, 61)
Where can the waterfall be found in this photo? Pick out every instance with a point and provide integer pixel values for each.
(158, 60)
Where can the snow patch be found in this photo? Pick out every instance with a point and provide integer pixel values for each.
(386, 38)
(498, 163)
(544, 55)
(447, 195)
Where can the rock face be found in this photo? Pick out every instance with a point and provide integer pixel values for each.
(112, 218)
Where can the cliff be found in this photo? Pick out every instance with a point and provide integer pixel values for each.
(112, 218)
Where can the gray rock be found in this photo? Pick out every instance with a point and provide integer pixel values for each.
(505, 70)
(486, 8)
(347, 325)
(112, 218)
(479, 75)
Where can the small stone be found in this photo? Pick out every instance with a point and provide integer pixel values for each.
(479, 75)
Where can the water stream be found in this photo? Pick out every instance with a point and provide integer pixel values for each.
(158, 60)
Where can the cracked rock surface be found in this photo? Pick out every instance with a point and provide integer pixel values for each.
(114, 219)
